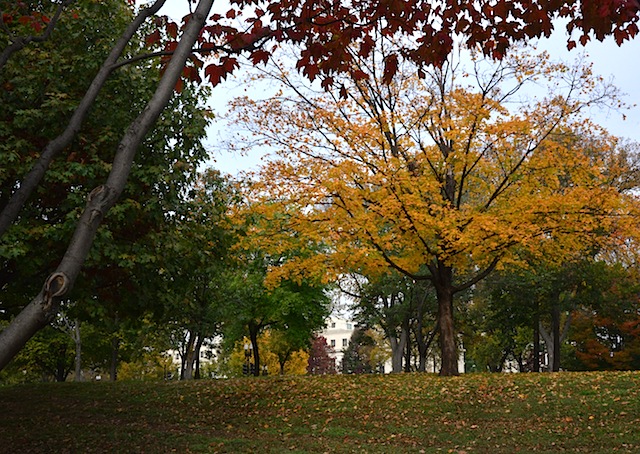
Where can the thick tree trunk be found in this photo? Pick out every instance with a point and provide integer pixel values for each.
(397, 350)
(448, 347)
(46, 304)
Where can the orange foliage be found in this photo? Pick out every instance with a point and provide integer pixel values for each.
(429, 173)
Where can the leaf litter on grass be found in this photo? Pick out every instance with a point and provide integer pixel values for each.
(577, 412)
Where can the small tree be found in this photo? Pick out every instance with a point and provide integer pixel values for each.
(321, 361)
(358, 357)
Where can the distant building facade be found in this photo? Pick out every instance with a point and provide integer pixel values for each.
(338, 332)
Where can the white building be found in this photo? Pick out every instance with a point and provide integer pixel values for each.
(338, 333)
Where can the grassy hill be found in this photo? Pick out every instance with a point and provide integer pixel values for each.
(574, 412)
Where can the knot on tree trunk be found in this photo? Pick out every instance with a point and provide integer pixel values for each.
(55, 286)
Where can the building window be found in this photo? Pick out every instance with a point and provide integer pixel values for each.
(333, 324)
(345, 342)
(349, 326)
(333, 342)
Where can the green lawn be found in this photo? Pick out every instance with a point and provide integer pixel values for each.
(575, 412)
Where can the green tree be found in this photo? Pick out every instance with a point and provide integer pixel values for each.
(194, 256)
(122, 260)
(297, 309)
(362, 356)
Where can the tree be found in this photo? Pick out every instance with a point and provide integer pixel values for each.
(45, 305)
(113, 273)
(363, 355)
(436, 180)
(320, 360)
(193, 258)
(402, 308)
(324, 32)
(296, 309)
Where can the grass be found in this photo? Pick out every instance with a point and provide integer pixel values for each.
(574, 412)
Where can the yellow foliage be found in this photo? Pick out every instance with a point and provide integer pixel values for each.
(295, 365)
(435, 176)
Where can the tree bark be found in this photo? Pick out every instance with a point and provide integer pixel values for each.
(397, 350)
(31, 181)
(45, 305)
(555, 336)
(115, 352)
(198, 347)
(77, 339)
(443, 282)
(536, 341)
(253, 335)
(187, 370)
(405, 335)
(423, 347)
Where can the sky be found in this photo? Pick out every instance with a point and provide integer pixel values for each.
(619, 64)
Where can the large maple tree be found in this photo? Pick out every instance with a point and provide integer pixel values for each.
(322, 30)
(437, 178)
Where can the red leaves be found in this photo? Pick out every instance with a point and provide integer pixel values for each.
(259, 56)
(390, 68)
(172, 29)
(327, 31)
(217, 73)
(152, 38)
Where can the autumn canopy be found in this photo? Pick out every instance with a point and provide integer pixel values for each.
(330, 39)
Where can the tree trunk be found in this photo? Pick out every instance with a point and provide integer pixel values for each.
(423, 347)
(197, 349)
(536, 341)
(283, 359)
(115, 350)
(419, 335)
(187, 372)
(448, 349)
(61, 371)
(405, 334)
(43, 308)
(253, 335)
(397, 350)
(78, 358)
(555, 327)
(548, 341)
